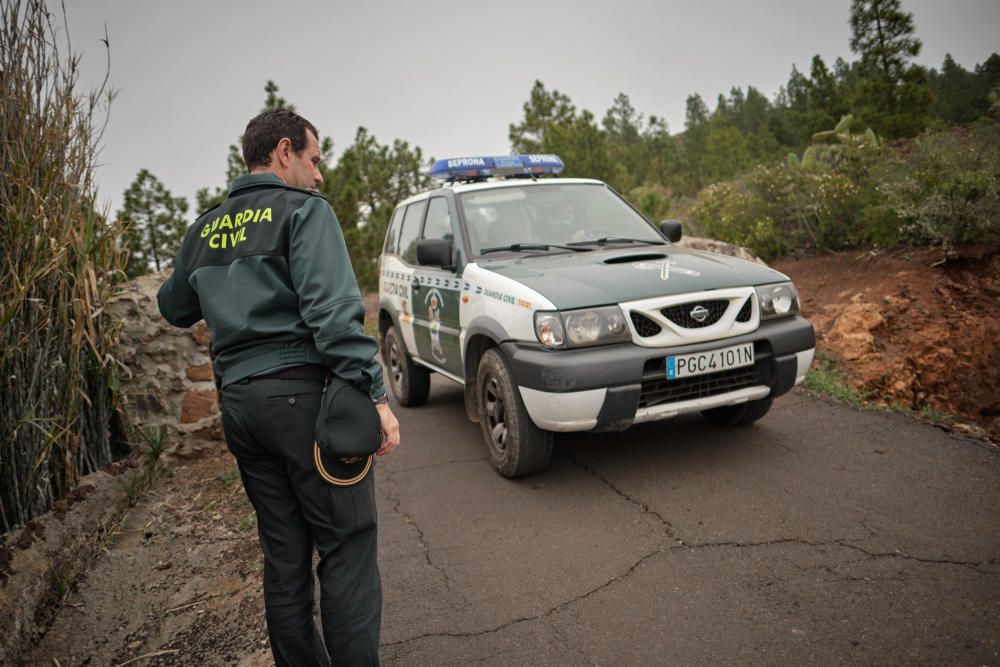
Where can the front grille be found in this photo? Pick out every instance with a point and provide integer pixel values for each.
(681, 314)
(644, 326)
(745, 311)
(660, 390)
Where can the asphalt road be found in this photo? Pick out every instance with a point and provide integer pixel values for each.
(820, 535)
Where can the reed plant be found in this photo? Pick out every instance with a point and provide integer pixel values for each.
(60, 260)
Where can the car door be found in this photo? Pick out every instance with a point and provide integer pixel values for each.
(398, 268)
(436, 293)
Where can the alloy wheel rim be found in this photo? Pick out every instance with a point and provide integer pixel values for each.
(395, 366)
(496, 414)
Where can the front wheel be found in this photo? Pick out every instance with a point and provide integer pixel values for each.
(738, 415)
(410, 383)
(516, 446)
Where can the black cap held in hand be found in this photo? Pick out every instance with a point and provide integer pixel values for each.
(348, 433)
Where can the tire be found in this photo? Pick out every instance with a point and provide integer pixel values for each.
(409, 382)
(738, 415)
(516, 446)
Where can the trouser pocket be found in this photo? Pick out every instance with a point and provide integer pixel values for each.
(353, 506)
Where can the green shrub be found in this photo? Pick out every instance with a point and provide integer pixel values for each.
(944, 188)
(850, 191)
(776, 210)
(653, 200)
(812, 209)
(735, 213)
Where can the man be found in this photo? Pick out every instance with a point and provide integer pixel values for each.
(268, 270)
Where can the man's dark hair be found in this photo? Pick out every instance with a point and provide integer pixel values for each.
(266, 129)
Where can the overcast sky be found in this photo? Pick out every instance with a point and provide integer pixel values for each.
(449, 77)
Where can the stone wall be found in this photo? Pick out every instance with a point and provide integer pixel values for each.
(169, 379)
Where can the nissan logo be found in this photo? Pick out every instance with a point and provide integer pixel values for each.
(699, 314)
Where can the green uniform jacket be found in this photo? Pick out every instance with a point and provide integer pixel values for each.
(268, 270)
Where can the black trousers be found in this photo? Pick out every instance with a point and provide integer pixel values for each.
(268, 425)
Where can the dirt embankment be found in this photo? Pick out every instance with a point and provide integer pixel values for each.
(179, 582)
(912, 329)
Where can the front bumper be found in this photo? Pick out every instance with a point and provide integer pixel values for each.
(610, 388)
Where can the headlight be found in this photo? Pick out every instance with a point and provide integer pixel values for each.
(579, 328)
(549, 329)
(777, 300)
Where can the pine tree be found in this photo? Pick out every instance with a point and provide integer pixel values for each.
(692, 144)
(623, 133)
(543, 110)
(154, 222)
(894, 98)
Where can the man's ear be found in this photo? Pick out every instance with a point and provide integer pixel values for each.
(283, 151)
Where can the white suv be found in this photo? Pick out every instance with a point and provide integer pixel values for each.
(559, 307)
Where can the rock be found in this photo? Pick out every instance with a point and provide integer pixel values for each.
(720, 247)
(201, 373)
(212, 432)
(189, 448)
(201, 334)
(198, 405)
(851, 331)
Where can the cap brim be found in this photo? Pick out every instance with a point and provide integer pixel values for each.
(341, 471)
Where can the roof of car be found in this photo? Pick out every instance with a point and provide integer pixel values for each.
(461, 187)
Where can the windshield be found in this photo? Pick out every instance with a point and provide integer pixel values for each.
(577, 213)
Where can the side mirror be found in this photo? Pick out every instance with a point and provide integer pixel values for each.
(671, 229)
(434, 252)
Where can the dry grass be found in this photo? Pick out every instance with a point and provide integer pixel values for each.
(59, 262)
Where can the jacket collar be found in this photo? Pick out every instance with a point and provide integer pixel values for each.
(252, 180)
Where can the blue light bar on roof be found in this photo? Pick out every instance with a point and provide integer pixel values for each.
(474, 168)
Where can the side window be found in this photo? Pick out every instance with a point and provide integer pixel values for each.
(438, 223)
(392, 236)
(411, 230)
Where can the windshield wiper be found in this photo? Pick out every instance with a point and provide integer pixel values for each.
(605, 240)
(523, 247)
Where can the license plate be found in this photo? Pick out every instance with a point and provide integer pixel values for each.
(710, 361)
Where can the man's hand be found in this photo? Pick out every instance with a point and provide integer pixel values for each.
(390, 429)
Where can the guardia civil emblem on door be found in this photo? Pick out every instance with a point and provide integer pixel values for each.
(434, 303)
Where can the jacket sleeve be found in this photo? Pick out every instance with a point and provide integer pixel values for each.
(177, 300)
(329, 298)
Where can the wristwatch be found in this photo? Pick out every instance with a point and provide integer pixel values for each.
(381, 400)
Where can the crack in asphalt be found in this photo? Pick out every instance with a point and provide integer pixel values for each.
(844, 543)
(527, 619)
(841, 542)
(864, 524)
(646, 509)
(421, 537)
(875, 555)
